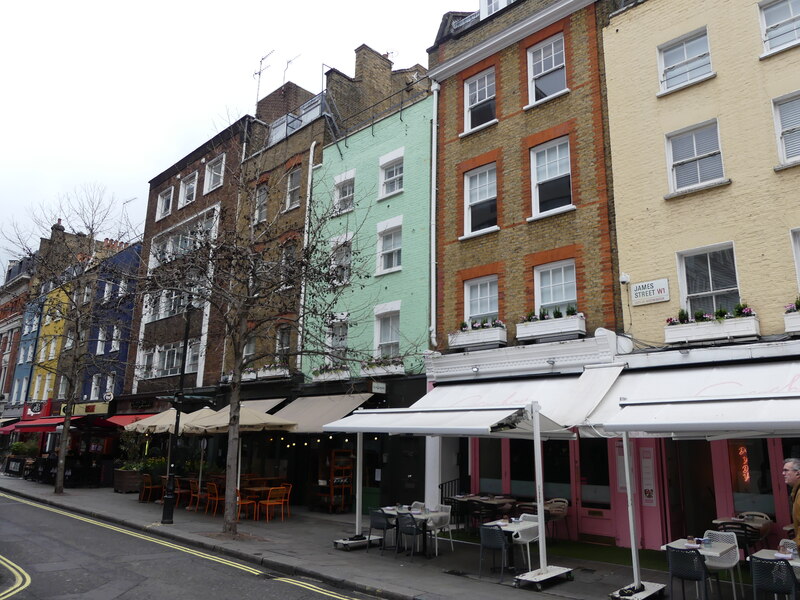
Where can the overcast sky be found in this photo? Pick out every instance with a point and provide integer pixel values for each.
(111, 93)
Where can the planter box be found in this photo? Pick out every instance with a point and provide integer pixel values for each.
(272, 372)
(571, 327)
(476, 338)
(248, 376)
(383, 371)
(791, 322)
(332, 376)
(704, 331)
(127, 481)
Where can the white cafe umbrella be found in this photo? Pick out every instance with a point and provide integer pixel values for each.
(163, 422)
(249, 420)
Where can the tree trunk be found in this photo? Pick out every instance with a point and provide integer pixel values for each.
(232, 462)
(63, 446)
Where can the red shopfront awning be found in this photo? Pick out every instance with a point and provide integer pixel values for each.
(49, 424)
(8, 429)
(122, 420)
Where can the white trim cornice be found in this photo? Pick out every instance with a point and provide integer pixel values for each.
(505, 38)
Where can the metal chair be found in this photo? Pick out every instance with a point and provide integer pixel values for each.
(407, 525)
(688, 565)
(245, 503)
(728, 560)
(443, 526)
(379, 521)
(557, 509)
(477, 514)
(747, 536)
(417, 505)
(213, 496)
(456, 511)
(275, 498)
(148, 488)
(754, 514)
(196, 495)
(526, 536)
(286, 498)
(774, 576)
(493, 538)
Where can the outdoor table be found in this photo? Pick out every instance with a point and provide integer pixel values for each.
(430, 519)
(763, 525)
(715, 549)
(260, 490)
(510, 528)
(771, 555)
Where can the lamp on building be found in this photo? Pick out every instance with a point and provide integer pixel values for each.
(551, 361)
(475, 369)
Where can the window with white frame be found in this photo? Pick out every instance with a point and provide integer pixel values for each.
(552, 176)
(260, 209)
(188, 190)
(95, 392)
(29, 357)
(480, 190)
(710, 279)
(164, 203)
(53, 345)
(796, 249)
(249, 348)
(47, 392)
(388, 335)
(337, 336)
(780, 24)
(111, 380)
(122, 288)
(479, 100)
(283, 344)
(684, 60)
(148, 363)
(62, 388)
(22, 390)
(116, 334)
(341, 259)
(344, 191)
(293, 188)
(87, 293)
(193, 360)
(695, 156)
(546, 69)
(169, 359)
(101, 341)
(288, 264)
(43, 351)
(15, 392)
(480, 299)
(787, 120)
(391, 173)
(554, 287)
(489, 7)
(215, 172)
(37, 387)
(108, 285)
(390, 248)
(69, 339)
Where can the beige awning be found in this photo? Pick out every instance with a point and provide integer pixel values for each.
(312, 412)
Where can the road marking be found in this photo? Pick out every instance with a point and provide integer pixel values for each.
(158, 541)
(21, 578)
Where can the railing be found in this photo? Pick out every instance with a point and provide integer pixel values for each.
(448, 489)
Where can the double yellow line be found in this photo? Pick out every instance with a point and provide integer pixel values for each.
(23, 580)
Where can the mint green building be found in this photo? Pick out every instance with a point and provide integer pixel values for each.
(376, 182)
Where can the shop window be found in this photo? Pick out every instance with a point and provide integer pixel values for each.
(491, 478)
(555, 458)
(750, 476)
(595, 489)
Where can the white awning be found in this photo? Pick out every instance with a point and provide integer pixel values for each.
(712, 402)
(264, 405)
(497, 409)
(312, 412)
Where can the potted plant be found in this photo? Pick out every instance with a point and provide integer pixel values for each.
(128, 470)
(382, 365)
(330, 371)
(486, 333)
(723, 324)
(791, 317)
(546, 327)
(248, 374)
(271, 370)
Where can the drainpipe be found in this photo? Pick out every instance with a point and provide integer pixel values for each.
(307, 224)
(434, 132)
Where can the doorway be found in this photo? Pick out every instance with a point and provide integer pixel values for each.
(690, 487)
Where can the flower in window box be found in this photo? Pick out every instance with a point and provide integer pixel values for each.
(475, 325)
(529, 318)
(498, 323)
(544, 314)
(464, 326)
(742, 310)
(328, 368)
(572, 310)
(794, 307)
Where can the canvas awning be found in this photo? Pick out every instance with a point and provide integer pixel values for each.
(312, 412)
(123, 420)
(49, 424)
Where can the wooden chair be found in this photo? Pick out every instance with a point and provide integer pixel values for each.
(196, 494)
(244, 503)
(557, 509)
(213, 496)
(148, 488)
(274, 498)
(286, 498)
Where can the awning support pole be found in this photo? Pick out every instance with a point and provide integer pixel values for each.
(359, 480)
(626, 453)
(539, 474)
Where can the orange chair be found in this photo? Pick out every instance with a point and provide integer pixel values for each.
(288, 487)
(244, 502)
(180, 492)
(274, 498)
(213, 496)
(147, 488)
(196, 494)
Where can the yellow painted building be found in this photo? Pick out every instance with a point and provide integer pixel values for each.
(703, 104)
(44, 377)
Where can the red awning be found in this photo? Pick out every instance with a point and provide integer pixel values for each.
(8, 429)
(44, 424)
(123, 420)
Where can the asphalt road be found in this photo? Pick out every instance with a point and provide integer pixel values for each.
(50, 553)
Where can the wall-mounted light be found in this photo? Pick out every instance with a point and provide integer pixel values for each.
(551, 361)
(475, 369)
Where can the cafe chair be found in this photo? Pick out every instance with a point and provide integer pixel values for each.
(688, 565)
(180, 491)
(526, 536)
(556, 512)
(522, 508)
(379, 521)
(747, 536)
(728, 560)
(288, 487)
(456, 512)
(443, 525)
(213, 496)
(274, 500)
(478, 513)
(148, 488)
(407, 525)
(196, 495)
(417, 505)
(792, 546)
(774, 576)
(245, 503)
(754, 514)
(493, 538)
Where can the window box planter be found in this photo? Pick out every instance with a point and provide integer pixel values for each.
(250, 376)
(383, 371)
(126, 481)
(563, 328)
(741, 327)
(332, 375)
(272, 372)
(476, 338)
(791, 323)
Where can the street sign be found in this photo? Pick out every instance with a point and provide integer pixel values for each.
(108, 396)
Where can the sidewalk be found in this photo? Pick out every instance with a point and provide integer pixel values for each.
(303, 545)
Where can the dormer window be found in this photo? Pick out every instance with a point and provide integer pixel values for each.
(489, 7)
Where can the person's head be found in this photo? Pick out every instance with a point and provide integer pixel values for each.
(791, 470)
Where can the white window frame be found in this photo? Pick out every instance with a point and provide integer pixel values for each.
(795, 18)
(94, 394)
(387, 310)
(215, 174)
(260, 203)
(293, 188)
(683, 41)
(557, 144)
(149, 363)
(489, 7)
(164, 202)
(22, 390)
(53, 346)
(342, 259)
(490, 171)
(485, 92)
(15, 392)
(188, 192)
(48, 387)
(283, 343)
(681, 258)
(115, 337)
(337, 343)
(87, 293)
(43, 350)
(795, 241)
(111, 380)
(100, 348)
(108, 286)
(69, 339)
(478, 283)
(249, 349)
(168, 359)
(781, 132)
(552, 44)
(390, 227)
(538, 293)
(673, 163)
(344, 192)
(62, 388)
(392, 173)
(122, 288)
(37, 387)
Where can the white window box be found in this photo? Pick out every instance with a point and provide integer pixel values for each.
(488, 336)
(332, 375)
(249, 376)
(712, 330)
(383, 371)
(791, 322)
(272, 372)
(570, 327)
